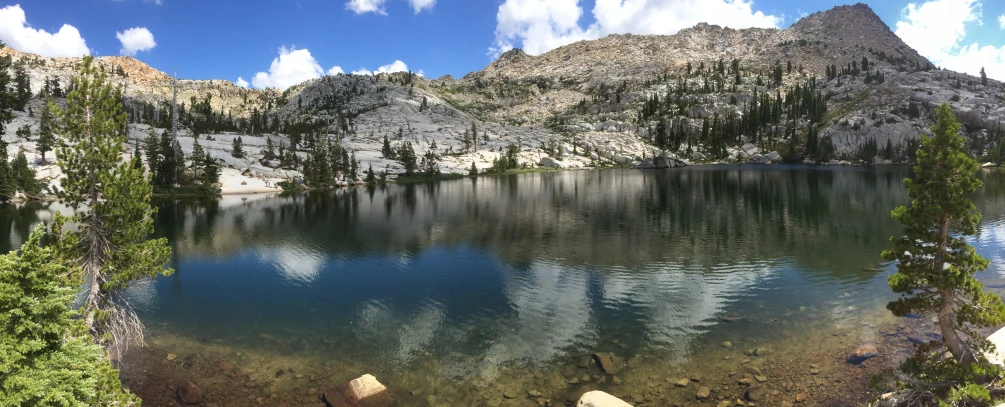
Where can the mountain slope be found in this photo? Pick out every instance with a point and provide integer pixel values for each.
(707, 93)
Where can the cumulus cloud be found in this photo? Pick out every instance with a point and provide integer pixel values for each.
(396, 66)
(293, 66)
(17, 34)
(541, 25)
(1001, 21)
(419, 5)
(135, 40)
(241, 82)
(336, 70)
(937, 29)
(367, 6)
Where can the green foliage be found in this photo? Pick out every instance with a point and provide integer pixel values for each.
(45, 356)
(237, 148)
(8, 99)
(109, 248)
(23, 176)
(46, 138)
(22, 87)
(935, 264)
(474, 170)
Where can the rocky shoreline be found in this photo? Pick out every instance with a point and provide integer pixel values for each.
(810, 368)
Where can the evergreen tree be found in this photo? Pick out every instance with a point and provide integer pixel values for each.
(24, 132)
(210, 171)
(8, 100)
(984, 77)
(198, 160)
(153, 147)
(109, 247)
(46, 140)
(270, 149)
(44, 357)
(237, 149)
(7, 185)
(22, 87)
(370, 176)
(406, 155)
(935, 264)
(474, 170)
(23, 176)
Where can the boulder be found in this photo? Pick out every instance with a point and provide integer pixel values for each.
(750, 149)
(703, 393)
(697, 156)
(188, 393)
(774, 157)
(598, 398)
(646, 164)
(863, 353)
(550, 163)
(757, 159)
(364, 391)
(609, 363)
(998, 355)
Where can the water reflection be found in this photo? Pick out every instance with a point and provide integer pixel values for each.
(477, 275)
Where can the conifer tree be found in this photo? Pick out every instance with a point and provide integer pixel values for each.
(46, 140)
(270, 149)
(23, 176)
(198, 160)
(7, 99)
(22, 87)
(935, 264)
(7, 186)
(45, 358)
(109, 248)
(210, 171)
(237, 149)
(984, 77)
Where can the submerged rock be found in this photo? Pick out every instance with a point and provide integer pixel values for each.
(364, 391)
(703, 393)
(598, 398)
(609, 363)
(189, 393)
(754, 393)
(862, 354)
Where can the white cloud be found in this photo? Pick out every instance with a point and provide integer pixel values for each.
(937, 30)
(419, 5)
(17, 34)
(367, 6)
(541, 25)
(1001, 21)
(292, 67)
(241, 82)
(134, 40)
(336, 70)
(396, 66)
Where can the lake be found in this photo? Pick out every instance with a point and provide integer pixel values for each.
(496, 291)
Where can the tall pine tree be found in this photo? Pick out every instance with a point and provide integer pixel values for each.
(110, 247)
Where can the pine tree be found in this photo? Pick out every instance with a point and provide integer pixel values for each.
(22, 87)
(984, 77)
(198, 160)
(935, 264)
(371, 177)
(24, 132)
(474, 170)
(8, 100)
(109, 248)
(7, 185)
(270, 149)
(45, 359)
(210, 170)
(46, 140)
(237, 149)
(23, 176)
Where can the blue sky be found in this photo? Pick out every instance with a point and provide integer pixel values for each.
(276, 43)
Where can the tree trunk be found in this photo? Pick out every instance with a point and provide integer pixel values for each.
(947, 313)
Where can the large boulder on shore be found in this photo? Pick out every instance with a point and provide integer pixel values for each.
(598, 398)
(364, 391)
(998, 340)
(774, 157)
(551, 163)
(758, 159)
